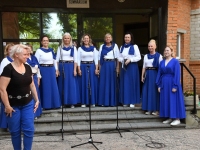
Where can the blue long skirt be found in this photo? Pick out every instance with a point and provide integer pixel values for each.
(171, 103)
(39, 110)
(49, 93)
(150, 95)
(3, 122)
(130, 85)
(83, 84)
(107, 84)
(69, 85)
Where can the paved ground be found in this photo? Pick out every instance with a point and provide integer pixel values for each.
(186, 139)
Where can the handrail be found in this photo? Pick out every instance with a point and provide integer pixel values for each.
(194, 111)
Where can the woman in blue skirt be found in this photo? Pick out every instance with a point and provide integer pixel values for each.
(7, 60)
(150, 95)
(67, 80)
(129, 75)
(109, 69)
(171, 95)
(88, 71)
(33, 63)
(49, 93)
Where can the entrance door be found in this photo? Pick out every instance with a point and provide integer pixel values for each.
(155, 28)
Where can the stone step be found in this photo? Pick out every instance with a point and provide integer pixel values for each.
(96, 119)
(94, 111)
(96, 128)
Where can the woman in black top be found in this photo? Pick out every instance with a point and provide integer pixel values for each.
(17, 89)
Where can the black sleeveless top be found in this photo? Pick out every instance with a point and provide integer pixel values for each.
(19, 93)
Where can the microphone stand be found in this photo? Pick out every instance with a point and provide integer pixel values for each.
(63, 73)
(117, 98)
(62, 97)
(90, 141)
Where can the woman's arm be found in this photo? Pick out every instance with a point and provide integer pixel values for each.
(143, 74)
(4, 96)
(35, 96)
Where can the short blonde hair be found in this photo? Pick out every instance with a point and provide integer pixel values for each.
(6, 53)
(66, 34)
(90, 40)
(153, 41)
(107, 34)
(18, 48)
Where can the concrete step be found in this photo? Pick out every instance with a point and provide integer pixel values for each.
(97, 128)
(96, 119)
(94, 111)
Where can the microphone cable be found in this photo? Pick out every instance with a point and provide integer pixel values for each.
(152, 143)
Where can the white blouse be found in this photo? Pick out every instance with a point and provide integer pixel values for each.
(110, 55)
(65, 55)
(45, 58)
(35, 69)
(4, 63)
(124, 55)
(87, 56)
(149, 62)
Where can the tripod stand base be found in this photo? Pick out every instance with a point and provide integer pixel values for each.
(90, 141)
(117, 129)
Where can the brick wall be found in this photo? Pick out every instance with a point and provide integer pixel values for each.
(179, 21)
(194, 63)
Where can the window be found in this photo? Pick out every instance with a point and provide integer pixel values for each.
(178, 47)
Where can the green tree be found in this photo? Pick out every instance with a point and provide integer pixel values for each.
(69, 23)
(29, 24)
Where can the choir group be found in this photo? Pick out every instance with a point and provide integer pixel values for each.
(105, 77)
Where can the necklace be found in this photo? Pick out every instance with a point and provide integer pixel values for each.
(19, 69)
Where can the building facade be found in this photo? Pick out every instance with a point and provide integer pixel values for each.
(176, 22)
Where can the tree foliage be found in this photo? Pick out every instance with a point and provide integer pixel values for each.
(69, 23)
(29, 24)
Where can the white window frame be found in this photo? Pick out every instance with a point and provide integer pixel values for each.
(178, 46)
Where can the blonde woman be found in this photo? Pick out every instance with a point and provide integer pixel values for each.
(171, 96)
(150, 95)
(67, 66)
(17, 91)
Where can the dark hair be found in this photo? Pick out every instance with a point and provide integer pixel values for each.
(132, 38)
(43, 37)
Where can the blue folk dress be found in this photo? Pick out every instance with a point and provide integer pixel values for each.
(33, 62)
(108, 80)
(67, 82)
(171, 103)
(87, 59)
(150, 94)
(3, 122)
(129, 75)
(49, 94)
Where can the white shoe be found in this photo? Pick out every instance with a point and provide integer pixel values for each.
(83, 105)
(72, 106)
(167, 121)
(36, 118)
(147, 113)
(175, 122)
(132, 106)
(92, 105)
(155, 113)
(125, 105)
